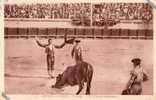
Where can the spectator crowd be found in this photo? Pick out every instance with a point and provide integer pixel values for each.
(122, 11)
(99, 12)
(53, 11)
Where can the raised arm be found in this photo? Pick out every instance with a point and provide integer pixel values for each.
(63, 44)
(60, 46)
(69, 41)
(41, 45)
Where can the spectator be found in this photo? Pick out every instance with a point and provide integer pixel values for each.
(104, 11)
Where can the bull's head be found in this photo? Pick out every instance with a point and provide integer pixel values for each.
(59, 82)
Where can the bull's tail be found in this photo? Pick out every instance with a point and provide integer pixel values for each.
(89, 77)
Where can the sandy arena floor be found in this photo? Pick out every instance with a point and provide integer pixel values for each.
(25, 65)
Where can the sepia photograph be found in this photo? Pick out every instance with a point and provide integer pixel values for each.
(93, 48)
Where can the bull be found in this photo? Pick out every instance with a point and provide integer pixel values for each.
(76, 75)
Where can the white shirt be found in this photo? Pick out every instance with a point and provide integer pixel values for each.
(138, 71)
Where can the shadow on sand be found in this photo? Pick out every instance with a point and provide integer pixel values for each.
(22, 76)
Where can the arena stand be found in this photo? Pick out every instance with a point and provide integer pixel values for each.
(101, 14)
(121, 11)
(118, 20)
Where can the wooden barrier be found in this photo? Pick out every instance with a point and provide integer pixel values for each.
(78, 32)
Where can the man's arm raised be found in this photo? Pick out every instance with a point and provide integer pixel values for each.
(60, 46)
(69, 41)
(41, 45)
(63, 44)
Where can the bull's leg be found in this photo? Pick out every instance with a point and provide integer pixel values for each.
(88, 88)
(80, 88)
(80, 82)
(89, 79)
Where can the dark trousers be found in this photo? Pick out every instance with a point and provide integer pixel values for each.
(50, 64)
(135, 89)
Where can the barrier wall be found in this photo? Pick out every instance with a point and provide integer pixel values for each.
(27, 28)
(78, 32)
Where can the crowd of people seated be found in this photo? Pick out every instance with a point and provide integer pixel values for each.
(121, 11)
(54, 11)
(81, 13)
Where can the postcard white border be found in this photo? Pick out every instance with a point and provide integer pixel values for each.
(92, 97)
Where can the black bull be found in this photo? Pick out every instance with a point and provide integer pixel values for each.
(76, 75)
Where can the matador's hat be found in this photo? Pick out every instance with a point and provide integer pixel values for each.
(136, 61)
(77, 40)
